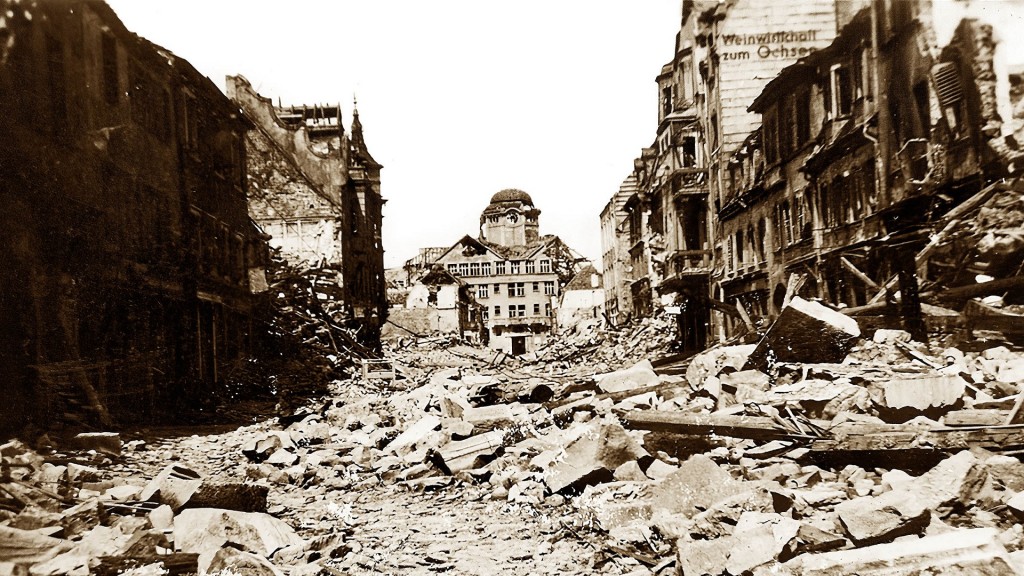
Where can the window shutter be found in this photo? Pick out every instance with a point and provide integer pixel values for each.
(947, 84)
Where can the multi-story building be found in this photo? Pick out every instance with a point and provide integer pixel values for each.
(127, 245)
(316, 191)
(615, 253)
(861, 145)
(515, 273)
(724, 54)
(831, 133)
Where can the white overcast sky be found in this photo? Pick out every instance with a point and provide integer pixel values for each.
(458, 98)
(462, 98)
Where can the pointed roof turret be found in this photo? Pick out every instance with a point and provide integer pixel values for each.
(358, 144)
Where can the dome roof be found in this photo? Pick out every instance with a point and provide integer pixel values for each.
(512, 195)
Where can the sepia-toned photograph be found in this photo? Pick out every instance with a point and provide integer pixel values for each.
(495, 287)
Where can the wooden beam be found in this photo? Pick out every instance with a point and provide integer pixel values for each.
(793, 286)
(961, 293)
(745, 317)
(952, 219)
(723, 307)
(860, 275)
(689, 424)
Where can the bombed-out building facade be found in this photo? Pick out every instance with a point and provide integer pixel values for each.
(315, 190)
(129, 256)
(617, 277)
(827, 142)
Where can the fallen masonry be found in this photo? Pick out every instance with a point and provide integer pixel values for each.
(883, 455)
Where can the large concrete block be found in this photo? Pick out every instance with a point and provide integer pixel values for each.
(711, 362)
(975, 551)
(924, 393)
(805, 332)
(757, 543)
(415, 433)
(637, 376)
(696, 486)
(592, 458)
(203, 530)
(875, 520)
(960, 479)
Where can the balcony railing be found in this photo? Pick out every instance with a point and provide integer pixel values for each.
(685, 262)
(529, 319)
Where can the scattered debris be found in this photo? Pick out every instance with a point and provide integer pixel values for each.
(706, 462)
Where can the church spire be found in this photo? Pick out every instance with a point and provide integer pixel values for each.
(357, 127)
(356, 140)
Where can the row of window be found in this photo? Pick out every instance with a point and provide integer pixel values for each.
(517, 311)
(513, 267)
(516, 289)
(843, 200)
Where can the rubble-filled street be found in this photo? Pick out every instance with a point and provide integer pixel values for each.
(897, 457)
(780, 332)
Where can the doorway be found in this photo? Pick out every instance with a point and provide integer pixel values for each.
(518, 345)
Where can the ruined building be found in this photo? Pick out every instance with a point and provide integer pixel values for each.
(315, 189)
(724, 53)
(615, 260)
(862, 145)
(806, 140)
(127, 246)
(514, 272)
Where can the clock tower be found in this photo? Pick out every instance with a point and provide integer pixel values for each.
(510, 219)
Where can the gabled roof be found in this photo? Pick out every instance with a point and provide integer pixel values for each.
(504, 252)
(468, 240)
(522, 252)
(581, 281)
(438, 275)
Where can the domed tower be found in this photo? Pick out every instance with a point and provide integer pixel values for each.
(510, 219)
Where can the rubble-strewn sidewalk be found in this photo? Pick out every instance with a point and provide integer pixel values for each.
(865, 455)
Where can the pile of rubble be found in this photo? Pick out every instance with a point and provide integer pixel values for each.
(592, 345)
(814, 451)
(810, 452)
(306, 307)
(61, 515)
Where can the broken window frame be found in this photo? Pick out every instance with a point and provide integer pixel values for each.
(514, 267)
(841, 91)
(739, 249)
(802, 117)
